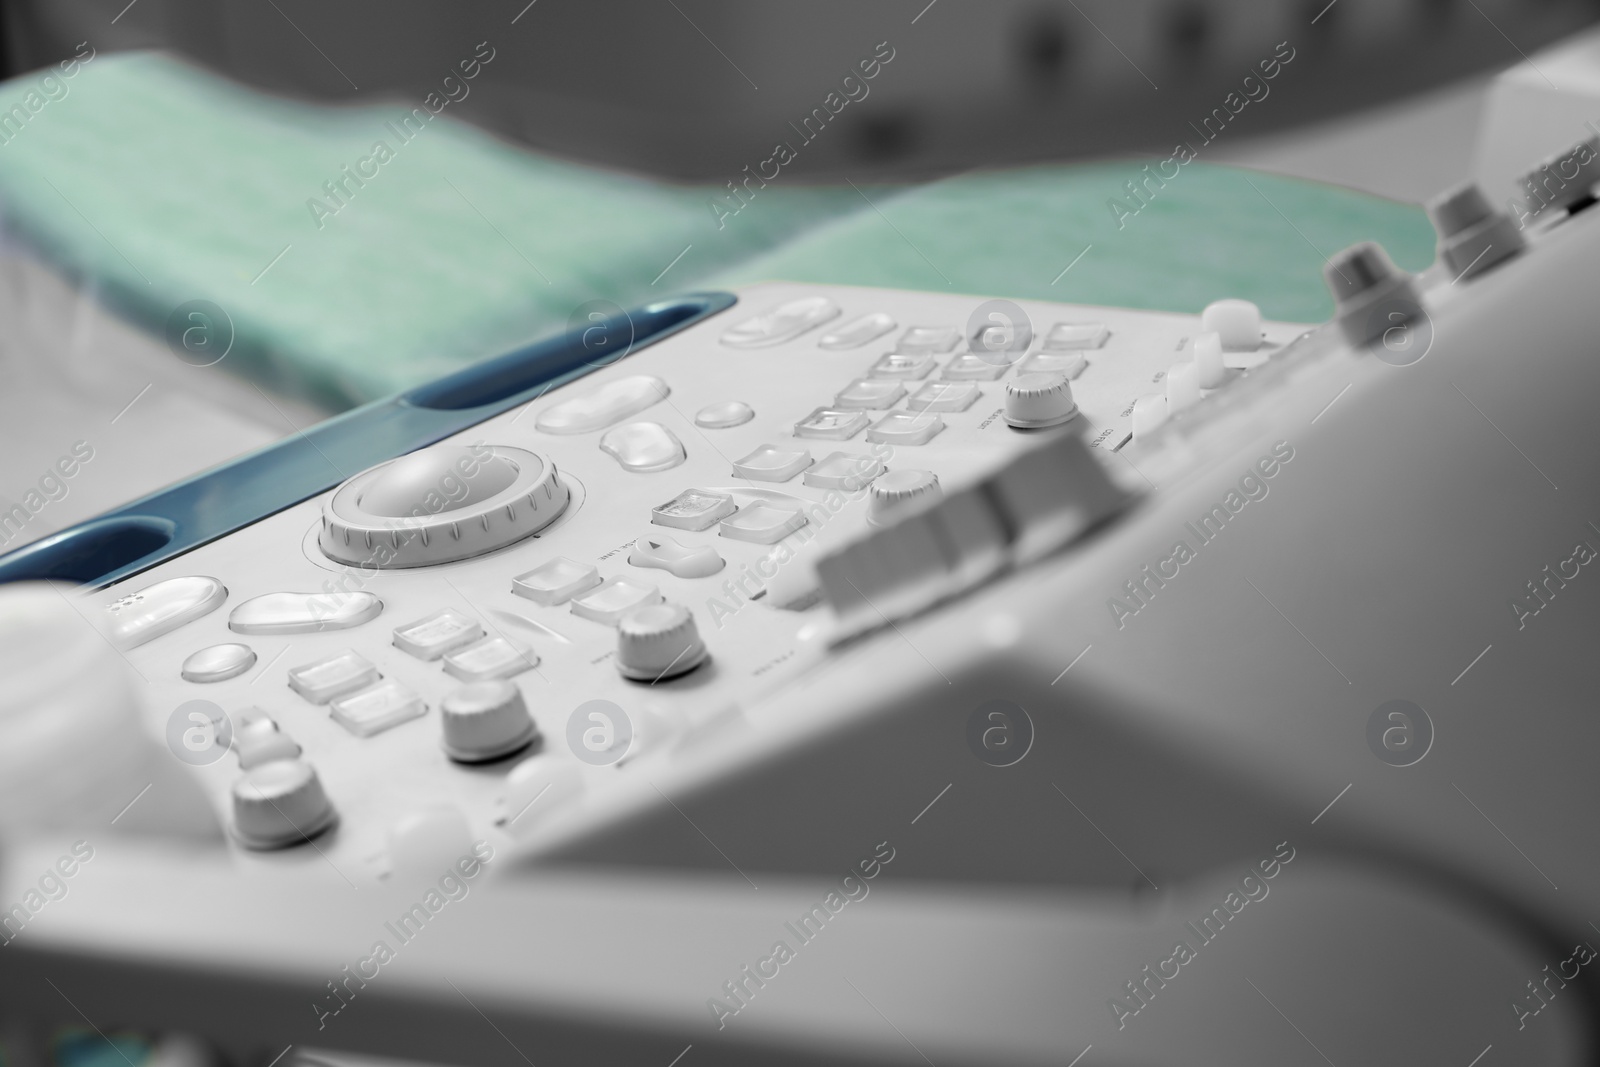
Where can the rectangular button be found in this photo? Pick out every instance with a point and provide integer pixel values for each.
(320, 682)
(432, 637)
(377, 708)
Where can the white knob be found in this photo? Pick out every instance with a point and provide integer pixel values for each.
(1236, 322)
(897, 492)
(658, 642)
(280, 803)
(484, 721)
(1208, 361)
(1034, 401)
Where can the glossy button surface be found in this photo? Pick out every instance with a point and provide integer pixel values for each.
(783, 323)
(857, 332)
(484, 721)
(377, 708)
(431, 637)
(971, 367)
(870, 394)
(694, 509)
(614, 598)
(218, 663)
(163, 607)
(668, 554)
(724, 415)
(1076, 336)
(769, 463)
(303, 613)
(602, 406)
(280, 803)
(555, 582)
(325, 679)
(905, 428)
(494, 657)
(943, 396)
(904, 366)
(643, 447)
(762, 523)
(928, 339)
(841, 470)
(832, 424)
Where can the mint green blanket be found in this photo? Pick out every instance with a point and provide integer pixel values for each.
(350, 271)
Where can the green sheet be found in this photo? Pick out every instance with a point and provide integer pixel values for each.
(160, 184)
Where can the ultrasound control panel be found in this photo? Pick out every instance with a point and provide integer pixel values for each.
(478, 638)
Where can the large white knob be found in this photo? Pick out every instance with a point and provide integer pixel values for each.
(440, 504)
(483, 721)
(280, 803)
(897, 492)
(658, 642)
(1034, 401)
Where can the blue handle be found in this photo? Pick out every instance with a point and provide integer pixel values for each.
(245, 490)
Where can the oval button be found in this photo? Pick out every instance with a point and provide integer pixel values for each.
(303, 613)
(218, 663)
(603, 406)
(163, 607)
(782, 323)
(643, 447)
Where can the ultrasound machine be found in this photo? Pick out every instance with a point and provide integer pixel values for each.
(810, 673)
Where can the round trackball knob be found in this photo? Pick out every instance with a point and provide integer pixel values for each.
(280, 803)
(1034, 401)
(441, 504)
(657, 642)
(897, 492)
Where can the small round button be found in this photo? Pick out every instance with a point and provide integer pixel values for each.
(658, 642)
(484, 721)
(218, 663)
(279, 804)
(897, 492)
(1034, 401)
(722, 416)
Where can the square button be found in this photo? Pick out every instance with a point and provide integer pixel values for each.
(831, 425)
(970, 367)
(904, 428)
(841, 470)
(377, 708)
(763, 524)
(769, 463)
(928, 339)
(432, 637)
(615, 598)
(1069, 363)
(555, 582)
(944, 396)
(488, 660)
(1076, 336)
(903, 366)
(694, 509)
(870, 394)
(323, 680)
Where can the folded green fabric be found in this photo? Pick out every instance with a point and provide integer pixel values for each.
(362, 249)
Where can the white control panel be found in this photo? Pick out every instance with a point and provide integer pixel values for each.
(501, 627)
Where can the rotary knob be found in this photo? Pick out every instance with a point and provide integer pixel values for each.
(441, 504)
(897, 492)
(658, 642)
(1473, 235)
(1371, 294)
(280, 803)
(484, 721)
(1034, 401)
